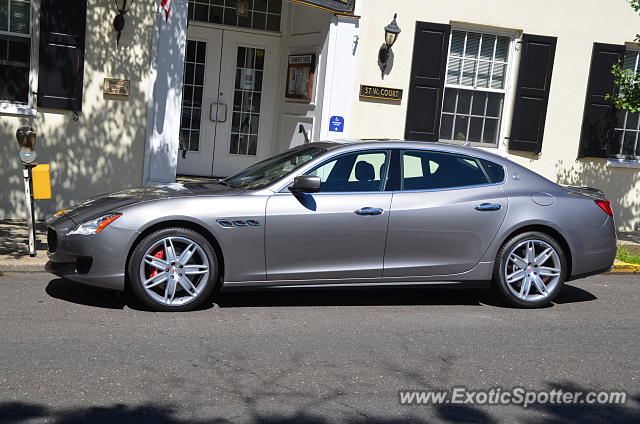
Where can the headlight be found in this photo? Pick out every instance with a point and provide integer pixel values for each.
(95, 225)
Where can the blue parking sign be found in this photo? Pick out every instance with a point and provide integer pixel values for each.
(336, 124)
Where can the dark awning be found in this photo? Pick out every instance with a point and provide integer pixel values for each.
(336, 6)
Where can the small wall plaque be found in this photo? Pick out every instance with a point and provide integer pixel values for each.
(384, 93)
(300, 77)
(116, 87)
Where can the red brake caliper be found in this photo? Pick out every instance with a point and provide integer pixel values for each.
(160, 255)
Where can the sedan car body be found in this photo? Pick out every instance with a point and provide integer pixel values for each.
(342, 214)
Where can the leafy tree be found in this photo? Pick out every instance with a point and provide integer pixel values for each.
(627, 81)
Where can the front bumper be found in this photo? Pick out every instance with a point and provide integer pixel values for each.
(98, 259)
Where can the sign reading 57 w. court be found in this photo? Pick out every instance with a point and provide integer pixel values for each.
(345, 7)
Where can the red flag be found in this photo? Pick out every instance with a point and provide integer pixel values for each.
(166, 5)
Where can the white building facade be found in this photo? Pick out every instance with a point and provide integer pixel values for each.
(222, 84)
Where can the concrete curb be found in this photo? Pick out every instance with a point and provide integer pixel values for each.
(25, 264)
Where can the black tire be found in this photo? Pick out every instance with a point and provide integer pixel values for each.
(137, 257)
(500, 285)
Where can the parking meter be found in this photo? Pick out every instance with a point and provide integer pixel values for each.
(26, 137)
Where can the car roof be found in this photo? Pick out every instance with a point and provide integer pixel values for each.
(349, 144)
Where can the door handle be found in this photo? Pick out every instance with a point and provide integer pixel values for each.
(218, 112)
(488, 207)
(369, 211)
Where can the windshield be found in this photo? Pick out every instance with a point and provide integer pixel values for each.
(271, 170)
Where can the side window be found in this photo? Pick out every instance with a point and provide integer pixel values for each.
(427, 170)
(493, 170)
(360, 171)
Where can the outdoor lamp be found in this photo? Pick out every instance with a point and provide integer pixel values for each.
(123, 7)
(391, 32)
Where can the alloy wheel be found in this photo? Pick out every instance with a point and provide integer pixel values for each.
(174, 270)
(532, 270)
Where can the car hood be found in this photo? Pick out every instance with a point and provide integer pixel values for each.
(105, 203)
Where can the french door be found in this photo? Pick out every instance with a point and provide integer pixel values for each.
(228, 105)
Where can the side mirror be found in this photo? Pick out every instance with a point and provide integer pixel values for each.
(305, 184)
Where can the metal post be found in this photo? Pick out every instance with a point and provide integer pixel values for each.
(28, 195)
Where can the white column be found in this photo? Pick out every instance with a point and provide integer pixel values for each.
(165, 93)
(340, 76)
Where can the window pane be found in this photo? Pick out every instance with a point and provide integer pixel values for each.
(630, 61)
(464, 101)
(494, 104)
(246, 101)
(20, 17)
(499, 72)
(460, 133)
(484, 74)
(192, 96)
(427, 170)
(486, 50)
(495, 171)
(479, 101)
(19, 50)
(352, 172)
(468, 73)
(629, 142)
(449, 104)
(446, 126)
(14, 75)
(615, 147)
(455, 70)
(4, 15)
(457, 43)
(490, 131)
(632, 121)
(473, 45)
(502, 48)
(475, 130)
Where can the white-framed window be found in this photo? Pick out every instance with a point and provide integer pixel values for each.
(476, 86)
(626, 138)
(17, 69)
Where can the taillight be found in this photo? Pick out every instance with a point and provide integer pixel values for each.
(605, 205)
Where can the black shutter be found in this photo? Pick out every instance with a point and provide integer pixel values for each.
(428, 69)
(598, 119)
(532, 93)
(61, 61)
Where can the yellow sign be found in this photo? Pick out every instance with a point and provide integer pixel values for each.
(41, 178)
(383, 93)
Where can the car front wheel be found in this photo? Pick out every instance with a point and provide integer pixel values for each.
(530, 270)
(173, 269)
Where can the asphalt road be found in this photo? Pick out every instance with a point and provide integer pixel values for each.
(70, 354)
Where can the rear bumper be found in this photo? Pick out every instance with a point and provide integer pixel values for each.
(98, 260)
(594, 249)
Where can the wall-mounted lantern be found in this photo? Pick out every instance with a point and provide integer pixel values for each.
(391, 32)
(123, 7)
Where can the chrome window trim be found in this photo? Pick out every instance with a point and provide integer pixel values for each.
(475, 158)
(284, 182)
(322, 160)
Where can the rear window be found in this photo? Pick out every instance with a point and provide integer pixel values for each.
(427, 170)
(493, 170)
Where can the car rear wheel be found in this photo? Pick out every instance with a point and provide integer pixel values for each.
(173, 269)
(530, 270)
